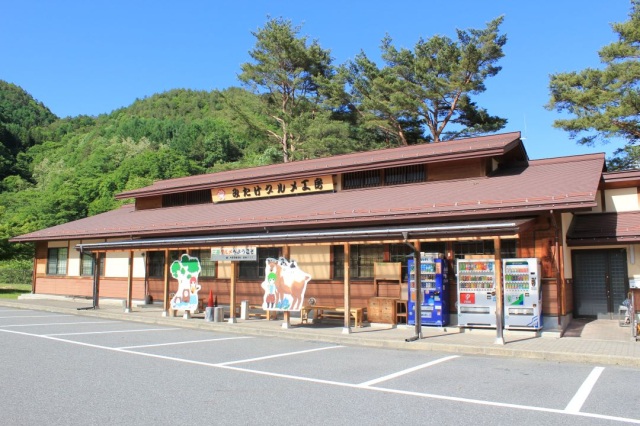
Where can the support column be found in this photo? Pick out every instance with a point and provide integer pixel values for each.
(347, 292)
(232, 292)
(165, 312)
(96, 282)
(417, 255)
(286, 253)
(499, 298)
(129, 305)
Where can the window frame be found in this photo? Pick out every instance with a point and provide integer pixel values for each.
(254, 270)
(360, 266)
(209, 268)
(57, 262)
(83, 264)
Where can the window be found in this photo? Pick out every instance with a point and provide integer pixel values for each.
(405, 174)
(57, 261)
(255, 270)
(155, 264)
(187, 198)
(208, 266)
(400, 253)
(508, 248)
(86, 264)
(364, 179)
(361, 260)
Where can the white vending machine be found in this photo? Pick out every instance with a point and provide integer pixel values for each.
(522, 294)
(476, 293)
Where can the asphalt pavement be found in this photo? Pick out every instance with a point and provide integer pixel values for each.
(596, 342)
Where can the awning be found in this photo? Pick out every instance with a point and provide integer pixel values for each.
(604, 229)
(505, 228)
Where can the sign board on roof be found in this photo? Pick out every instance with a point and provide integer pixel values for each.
(272, 189)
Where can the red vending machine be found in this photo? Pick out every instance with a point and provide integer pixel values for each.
(476, 293)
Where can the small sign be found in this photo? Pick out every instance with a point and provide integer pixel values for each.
(234, 253)
(467, 298)
(272, 189)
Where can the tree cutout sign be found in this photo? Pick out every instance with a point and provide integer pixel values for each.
(186, 271)
(284, 285)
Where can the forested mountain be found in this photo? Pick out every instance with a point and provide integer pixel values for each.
(58, 170)
(294, 104)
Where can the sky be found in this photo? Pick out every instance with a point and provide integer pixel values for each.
(82, 57)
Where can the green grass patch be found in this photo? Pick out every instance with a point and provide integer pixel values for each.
(12, 291)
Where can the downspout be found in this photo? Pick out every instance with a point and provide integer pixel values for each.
(418, 283)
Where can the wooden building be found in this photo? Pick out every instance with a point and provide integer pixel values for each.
(339, 216)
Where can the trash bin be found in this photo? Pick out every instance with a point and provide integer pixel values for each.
(218, 314)
(208, 313)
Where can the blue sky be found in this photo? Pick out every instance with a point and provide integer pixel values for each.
(91, 57)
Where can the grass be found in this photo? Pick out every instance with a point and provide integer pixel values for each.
(12, 291)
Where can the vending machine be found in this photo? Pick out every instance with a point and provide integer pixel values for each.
(522, 294)
(476, 293)
(434, 284)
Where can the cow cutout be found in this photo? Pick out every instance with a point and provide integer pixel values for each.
(284, 285)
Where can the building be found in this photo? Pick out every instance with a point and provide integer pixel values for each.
(340, 216)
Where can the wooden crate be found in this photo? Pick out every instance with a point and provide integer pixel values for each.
(382, 310)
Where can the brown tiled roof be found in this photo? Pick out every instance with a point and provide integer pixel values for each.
(604, 228)
(566, 183)
(485, 146)
(621, 179)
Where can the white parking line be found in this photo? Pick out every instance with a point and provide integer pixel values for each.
(34, 316)
(182, 343)
(112, 331)
(407, 371)
(575, 405)
(57, 323)
(222, 364)
(341, 384)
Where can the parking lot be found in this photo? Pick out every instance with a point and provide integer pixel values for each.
(68, 369)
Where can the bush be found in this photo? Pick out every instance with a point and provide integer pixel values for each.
(16, 271)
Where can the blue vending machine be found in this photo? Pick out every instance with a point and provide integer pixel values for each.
(435, 290)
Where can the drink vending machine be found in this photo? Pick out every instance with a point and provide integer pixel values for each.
(476, 293)
(434, 283)
(522, 294)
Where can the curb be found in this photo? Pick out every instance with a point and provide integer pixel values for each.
(425, 344)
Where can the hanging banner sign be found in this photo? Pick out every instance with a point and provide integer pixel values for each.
(272, 189)
(234, 253)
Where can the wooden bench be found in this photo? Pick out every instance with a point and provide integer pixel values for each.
(336, 312)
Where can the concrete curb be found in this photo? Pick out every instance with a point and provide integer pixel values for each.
(550, 349)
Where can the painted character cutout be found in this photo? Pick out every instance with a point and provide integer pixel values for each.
(186, 271)
(284, 285)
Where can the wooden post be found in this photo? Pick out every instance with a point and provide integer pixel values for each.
(96, 282)
(347, 292)
(286, 253)
(232, 292)
(499, 299)
(166, 285)
(129, 307)
(419, 291)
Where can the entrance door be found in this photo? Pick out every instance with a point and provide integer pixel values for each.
(600, 282)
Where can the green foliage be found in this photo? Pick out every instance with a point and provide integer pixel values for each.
(53, 171)
(20, 115)
(16, 271)
(287, 73)
(604, 103)
(418, 93)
